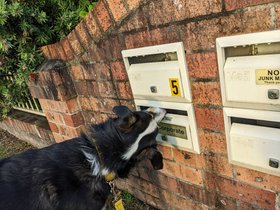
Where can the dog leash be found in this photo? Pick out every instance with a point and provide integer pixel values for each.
(109, 178)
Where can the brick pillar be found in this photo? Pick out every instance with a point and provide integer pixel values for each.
(51, 83)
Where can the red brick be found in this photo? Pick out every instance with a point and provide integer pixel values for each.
(74, 42)
(116, 45)
(241, 191)
(46, 52)
(76, 72)
(219, 164)
(84, 37)
(124, 90)
(255, 20)
(106, 89)
(206, 93)
(167, 183)
(200, 35)
(53, 52)
(92, 89)
(258, 179)
(92, 26)
(166, 152)
(54, 117)
(212, 142)
(53, 127)
(118, 71)
(246, 206)
(85, 103)
(212, 119)
(202, 65)
(188, 159)
(73, 120)
(81, 87)
(72, 105)
(59, 138)
(117, 8)
(69, 132)
(103, 15)
(153, 37)
(109, 104)
(136, 21)
(132, 4)
(67, 49)
(176, 202)
(155, 202)
(129, 104)
(166, 11)
(182, 172)
(149, 188)
(95, 104)
(277, 18)
(97, 71)
(60, 51)
(236, 4)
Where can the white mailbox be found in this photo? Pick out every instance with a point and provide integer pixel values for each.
(253, 139)
(249, 68)
(158, 77)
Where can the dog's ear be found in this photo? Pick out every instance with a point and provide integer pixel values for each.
(126, 118)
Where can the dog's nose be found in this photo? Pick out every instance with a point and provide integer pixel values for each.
(158, 113)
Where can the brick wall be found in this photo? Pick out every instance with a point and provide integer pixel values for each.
(92, 52)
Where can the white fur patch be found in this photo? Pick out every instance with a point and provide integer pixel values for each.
(133, 148)
(95, 166)
(151, 128)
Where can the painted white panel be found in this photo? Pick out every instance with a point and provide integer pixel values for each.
(253, 146)
(242, 82)
(143, 76)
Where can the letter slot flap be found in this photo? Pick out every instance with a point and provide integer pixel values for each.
(255, 146)
(156, 80)
(253, 79)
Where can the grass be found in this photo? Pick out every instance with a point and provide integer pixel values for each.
(10, 145)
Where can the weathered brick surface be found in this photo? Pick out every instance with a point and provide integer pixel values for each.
(236, 4)
(92, 26)
(132, 4)
(188, 159)
(67, 49)
(73, 120)
(118, 71)
(103, 15)
(212, 142)
(75, 43)
(257, 178)
(152, 37)
(202, 65)
(46, 52)
(124, 90)
(117, 8)
(209, 118)
(206, 93)
(137, 21)
(277, 14)
(166, 11)
(83, 35)
(218, 164)
(241, 191)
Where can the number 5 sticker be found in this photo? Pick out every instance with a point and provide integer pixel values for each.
(174, 87)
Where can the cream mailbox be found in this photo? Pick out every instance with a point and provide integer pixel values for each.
(249, 68)
(158, 77)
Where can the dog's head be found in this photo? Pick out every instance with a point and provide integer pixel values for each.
(138, 130)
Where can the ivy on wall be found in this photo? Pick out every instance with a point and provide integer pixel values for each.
(25, 26)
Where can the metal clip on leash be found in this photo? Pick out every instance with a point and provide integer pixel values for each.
(117, 201)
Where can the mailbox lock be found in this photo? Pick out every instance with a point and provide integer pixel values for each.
(273, 94)
(153, 89)
(273, 163)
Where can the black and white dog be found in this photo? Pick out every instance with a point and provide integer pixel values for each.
(70, 175)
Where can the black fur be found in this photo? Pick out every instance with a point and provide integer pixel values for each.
(60, 176)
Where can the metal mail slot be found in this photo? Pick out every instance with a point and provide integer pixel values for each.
(175, 130)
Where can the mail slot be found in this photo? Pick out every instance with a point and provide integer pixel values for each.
(253, 79)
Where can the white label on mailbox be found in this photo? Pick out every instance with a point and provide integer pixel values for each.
(267, 76)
